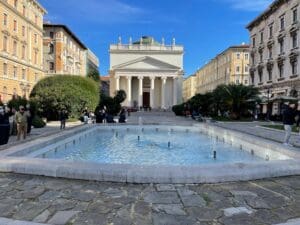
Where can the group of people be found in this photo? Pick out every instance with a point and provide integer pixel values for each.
(15, 122)
(103, 116)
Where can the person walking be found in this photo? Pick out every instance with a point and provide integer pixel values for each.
(21, 119)
(63, 116)
(288, 122)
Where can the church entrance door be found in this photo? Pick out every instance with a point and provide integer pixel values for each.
(146, 99)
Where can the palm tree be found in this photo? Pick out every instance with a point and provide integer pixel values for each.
(239, 98)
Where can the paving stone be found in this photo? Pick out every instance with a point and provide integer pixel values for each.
(165, 187)
(43, 217)
(193, 200)
(204, 214)
(235, 211)
(291, 222)
(162, 198)
(163, 219)
(257, 203)
(114, 193)
(90, 219)
(29, 210)
(243, 193)
(171, 209)
(62, 217)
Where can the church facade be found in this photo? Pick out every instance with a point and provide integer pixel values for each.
(150, 73)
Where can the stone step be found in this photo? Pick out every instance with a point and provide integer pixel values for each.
(5, 221)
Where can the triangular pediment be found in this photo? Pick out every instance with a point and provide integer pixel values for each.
(146, 63)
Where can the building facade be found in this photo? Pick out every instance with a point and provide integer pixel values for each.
(92, 61)
(63, 52)
(189, 87)
(275, 62)
(231, 66)
(151, 73)
(21, 47)
(105, 84)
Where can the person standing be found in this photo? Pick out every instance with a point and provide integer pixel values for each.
(30, 115)
(288, 122)
(21, 119)
(4, 126)
(63, 116)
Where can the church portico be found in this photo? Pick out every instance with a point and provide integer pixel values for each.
(148, 80)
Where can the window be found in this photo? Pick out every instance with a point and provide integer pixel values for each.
(295, 15)
(23, 51)
(246, 56)
(270, 53)
(261, 37)
(16, 4)
(295, 40)
(15, 47)
(270, 73)
(270, 31)
(24, 10)
(5, 19)
(294, 67)
(238, 55)
(237, 69)
(246, 81)
(23, 31)
(35, 19)
(246, 69)
(23, 74)
(35, 57)
(15, 25)
(51, 66)
(252, 78)
(261, 56)
(5, 42)
(35, 38)
(237, 81)
(280, 70)
(52, 35)
(51, 48)
(282, 23)
(281, 46)
(15, 74)
(260, 76)
(253, 59)
(253, 42)
(5, 69)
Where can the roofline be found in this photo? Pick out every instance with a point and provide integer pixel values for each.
(271, 8)
(68, 31)
(40, 6)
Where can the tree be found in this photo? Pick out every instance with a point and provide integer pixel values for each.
(113, 105)
(239, 98)
(69, 92)
(94, 74)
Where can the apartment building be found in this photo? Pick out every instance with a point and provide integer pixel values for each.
(189, 87)
(230, 66)
(64, 53)
(275, 62)
(21, 44)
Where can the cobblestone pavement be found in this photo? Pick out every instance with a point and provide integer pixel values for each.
(73, 202)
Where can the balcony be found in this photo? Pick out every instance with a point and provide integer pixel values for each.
(270, 43)
(294, 27)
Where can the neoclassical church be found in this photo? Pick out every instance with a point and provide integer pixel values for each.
(150, 73)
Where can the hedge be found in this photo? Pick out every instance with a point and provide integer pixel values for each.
(73, 93)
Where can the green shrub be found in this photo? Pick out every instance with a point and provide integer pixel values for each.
(113, 105)
(73, 93)
(38, 122)
(16, 102)
(178, 109)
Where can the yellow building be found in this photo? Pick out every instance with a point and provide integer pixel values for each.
(21, 47)
(231, 66)
(189, 87)
(64, 53)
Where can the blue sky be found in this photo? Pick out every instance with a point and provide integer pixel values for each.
(204, 27)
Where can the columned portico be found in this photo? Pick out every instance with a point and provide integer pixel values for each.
(150, 75)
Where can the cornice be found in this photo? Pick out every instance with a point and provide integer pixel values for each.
(5, 57)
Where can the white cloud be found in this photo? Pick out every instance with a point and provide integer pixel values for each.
(249, 5)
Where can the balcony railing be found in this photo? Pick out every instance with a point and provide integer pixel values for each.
(147, 47)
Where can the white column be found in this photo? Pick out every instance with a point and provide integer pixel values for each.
(140, 91)
(152, 79)
(129, 91)
(117, 83)
(163, 89)
(174, 90)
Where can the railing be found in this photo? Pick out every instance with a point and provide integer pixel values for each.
(147, 47)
